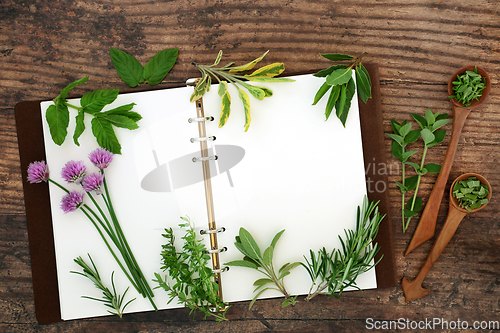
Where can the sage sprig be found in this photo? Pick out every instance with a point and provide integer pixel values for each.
(331, 273)
(404, 135)
(341, 85)
(192, 279)
(134, 74)
(102, 123)
(110, 298)
(237, 77)
(468, 86)
(263, 262)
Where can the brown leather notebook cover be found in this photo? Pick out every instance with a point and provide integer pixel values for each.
(38, 214)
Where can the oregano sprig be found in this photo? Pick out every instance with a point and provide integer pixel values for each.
(263, 262)
(110, 298)
(331, 273)
(134, 74)
(341, 85)
(192, 279)
(431, 137)
(237, 77)
(103, 122)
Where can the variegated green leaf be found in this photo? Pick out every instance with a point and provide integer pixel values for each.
(246, 105)
(225, 109)
(268, 71)
(222, 88)
(199, 90)
(268, 79)
(247, 67)
(256, 92)
(217, 60)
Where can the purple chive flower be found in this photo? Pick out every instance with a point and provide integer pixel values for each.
(101, 158)
(38, 172)
(73, 171)
(93, 182)
(72, 201)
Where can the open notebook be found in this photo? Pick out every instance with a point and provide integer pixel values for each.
(291, 170)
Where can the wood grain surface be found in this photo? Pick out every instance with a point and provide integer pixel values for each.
(417, 46)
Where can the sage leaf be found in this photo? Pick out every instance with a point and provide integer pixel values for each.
(128, 67)
(336, 56)
(276, 238)
(256, 296)
(267, 257)
(268, 79)
(95, 101)
(262, 282)
(222, 88)
(249, 244)
(241, 263)
(160, 65)
(339, 76)
(57, 117)
(105, 135)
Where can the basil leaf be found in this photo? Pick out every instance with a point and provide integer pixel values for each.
(57, 117)
(158, 67)
(128, 67)
(105, 135)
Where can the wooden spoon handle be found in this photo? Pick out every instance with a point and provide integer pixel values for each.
(450, 226)
(427, 224)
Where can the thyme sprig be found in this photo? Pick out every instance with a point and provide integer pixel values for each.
(110, 298)
(237, 77)
(331, 273)
(192, 280)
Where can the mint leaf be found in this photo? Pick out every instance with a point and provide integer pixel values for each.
(158, 67)
(57, 117)
(80, 126)
(119, 121)
(64, 93)
(95, 101)
(128, 67)
(105, 135)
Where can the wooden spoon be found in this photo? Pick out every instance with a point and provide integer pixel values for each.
(427, 224)
(413, 289)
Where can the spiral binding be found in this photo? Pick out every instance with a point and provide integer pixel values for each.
(208, 158)
(206, 138)
(224, 249)
(223, 269)
(209, 118)
(213, 231)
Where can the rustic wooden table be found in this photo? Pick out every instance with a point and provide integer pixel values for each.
(417, 46)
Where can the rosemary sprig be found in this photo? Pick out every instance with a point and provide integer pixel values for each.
(263, 263)
(332, 273)
(235, 75)
(192, 279)
(109, 297)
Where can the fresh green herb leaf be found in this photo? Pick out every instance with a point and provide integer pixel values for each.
(160, 65)
(235, 75)
(337, 56)
(128, 67)
(105, 135)
(469, 86)
(57, 117)
(95, 101)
